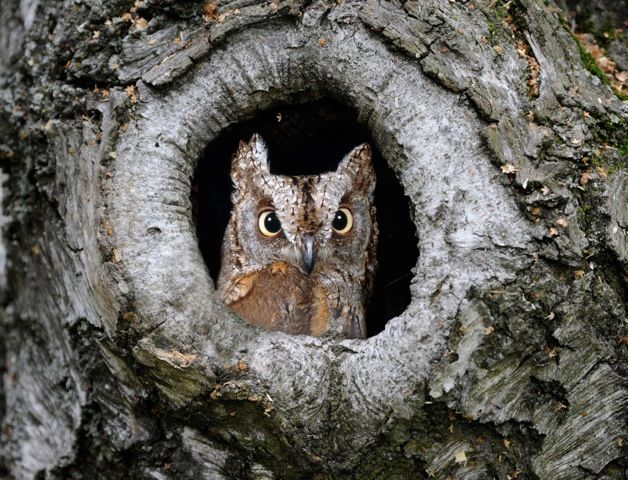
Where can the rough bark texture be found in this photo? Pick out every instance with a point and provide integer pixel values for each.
(119, 360)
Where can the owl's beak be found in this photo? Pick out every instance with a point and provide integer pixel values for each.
(309, 257)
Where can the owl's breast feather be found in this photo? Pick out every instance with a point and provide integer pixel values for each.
(280, 297)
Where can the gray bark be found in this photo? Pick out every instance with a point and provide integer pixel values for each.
(120, 361)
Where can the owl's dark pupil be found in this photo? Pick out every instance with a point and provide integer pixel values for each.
(271, 222)
(340, 220)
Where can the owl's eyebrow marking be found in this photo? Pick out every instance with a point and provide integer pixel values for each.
(265, 203)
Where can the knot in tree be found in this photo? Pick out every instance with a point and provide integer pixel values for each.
(489, 341)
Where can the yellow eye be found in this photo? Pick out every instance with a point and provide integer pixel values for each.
(343, 221)
(268, 223)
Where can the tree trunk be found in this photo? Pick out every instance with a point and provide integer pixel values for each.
(120, 361)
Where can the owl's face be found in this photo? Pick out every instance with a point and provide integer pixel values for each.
(307, 221)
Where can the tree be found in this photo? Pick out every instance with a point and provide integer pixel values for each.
(510, 360)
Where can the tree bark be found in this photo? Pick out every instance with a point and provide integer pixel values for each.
(120, 361)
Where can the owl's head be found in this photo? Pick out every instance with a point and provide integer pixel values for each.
(308, 221)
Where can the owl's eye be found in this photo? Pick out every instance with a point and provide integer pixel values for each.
(343, 221)
(269, 224)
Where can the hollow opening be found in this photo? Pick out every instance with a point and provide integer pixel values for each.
(307, 139)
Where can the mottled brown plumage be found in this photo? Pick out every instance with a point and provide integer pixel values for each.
(299, 252)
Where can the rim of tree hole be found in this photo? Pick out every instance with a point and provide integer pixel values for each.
(468, 227)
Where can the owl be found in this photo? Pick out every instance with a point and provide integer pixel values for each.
(298, 253)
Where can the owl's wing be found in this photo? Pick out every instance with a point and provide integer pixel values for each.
(237, 288)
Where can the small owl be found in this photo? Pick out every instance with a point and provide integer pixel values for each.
(298, 253)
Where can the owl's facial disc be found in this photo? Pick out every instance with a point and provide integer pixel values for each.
(314, 222)
(310, 220)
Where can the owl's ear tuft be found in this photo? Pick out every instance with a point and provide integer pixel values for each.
(260, 151)
(358, 165)
(250, 160)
